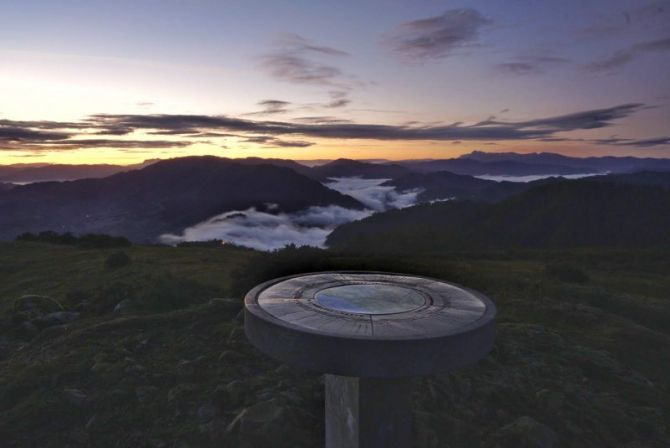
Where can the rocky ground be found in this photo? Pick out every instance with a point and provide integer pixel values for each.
(579, 361)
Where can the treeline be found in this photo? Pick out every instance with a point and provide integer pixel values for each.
(554, 216)
(87, 241)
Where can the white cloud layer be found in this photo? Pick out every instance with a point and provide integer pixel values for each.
(272, 230)
(372, 193)
(267, 231)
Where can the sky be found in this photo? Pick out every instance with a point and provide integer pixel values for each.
(125, 81)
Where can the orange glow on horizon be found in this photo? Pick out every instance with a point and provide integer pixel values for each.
(351, 149)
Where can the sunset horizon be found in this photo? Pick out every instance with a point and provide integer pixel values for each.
(426, 81)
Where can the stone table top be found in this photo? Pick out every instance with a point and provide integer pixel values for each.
(359, 314)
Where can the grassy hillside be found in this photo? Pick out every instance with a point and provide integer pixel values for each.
(156, 356)
(584, 213)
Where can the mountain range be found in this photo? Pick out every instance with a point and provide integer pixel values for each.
(355, 168)
(440, 185)
(30, 173)
(158, 197)
(476, 163)
(609, 164)
(166, 196)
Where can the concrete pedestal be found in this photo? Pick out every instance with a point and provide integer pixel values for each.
(370, 332)
(368, 412)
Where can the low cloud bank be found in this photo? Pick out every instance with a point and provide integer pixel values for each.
(272, 229)
(269, 231)
(372, 193)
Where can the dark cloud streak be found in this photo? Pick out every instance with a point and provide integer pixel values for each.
(625, 56)
(271, 107)
(267, 132)
(529, 65)
(486, 130)
(294, 62)
(637, 143)
(438, 37)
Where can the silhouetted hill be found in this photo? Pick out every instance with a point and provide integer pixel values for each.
(164, 197)
(29, 173)
(568, 214)
(59, 172)
(285, 163)
(597, 164)
(473, 167)
(354, 168)
(447, 185)
(649, 178)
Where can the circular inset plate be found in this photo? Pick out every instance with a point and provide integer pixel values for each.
(369, 299)
(369, 323)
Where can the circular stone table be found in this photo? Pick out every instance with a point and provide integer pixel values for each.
(369, 331)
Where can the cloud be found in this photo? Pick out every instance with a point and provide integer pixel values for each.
(299, 61)
(271, 107)
(321, 119)
(53, 136)
(518, 68)
(190, 127)
(299, 70)
(338, 98)
(439, 36)
(191, 123)
(529, 65)
(590, 119)
(639, 143)
(627, 55)
(298, 43)
(290, 143)
(275, 142)
(74, 144)
(647, 17)
(372, 193)
(269, 231)
(16, 134)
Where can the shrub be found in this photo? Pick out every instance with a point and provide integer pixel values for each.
(48, 237)
(117, 260)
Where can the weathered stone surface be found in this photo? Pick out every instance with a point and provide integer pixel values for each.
(330, 322)
(368, 412)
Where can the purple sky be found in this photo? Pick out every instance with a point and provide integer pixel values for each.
(122, 81)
